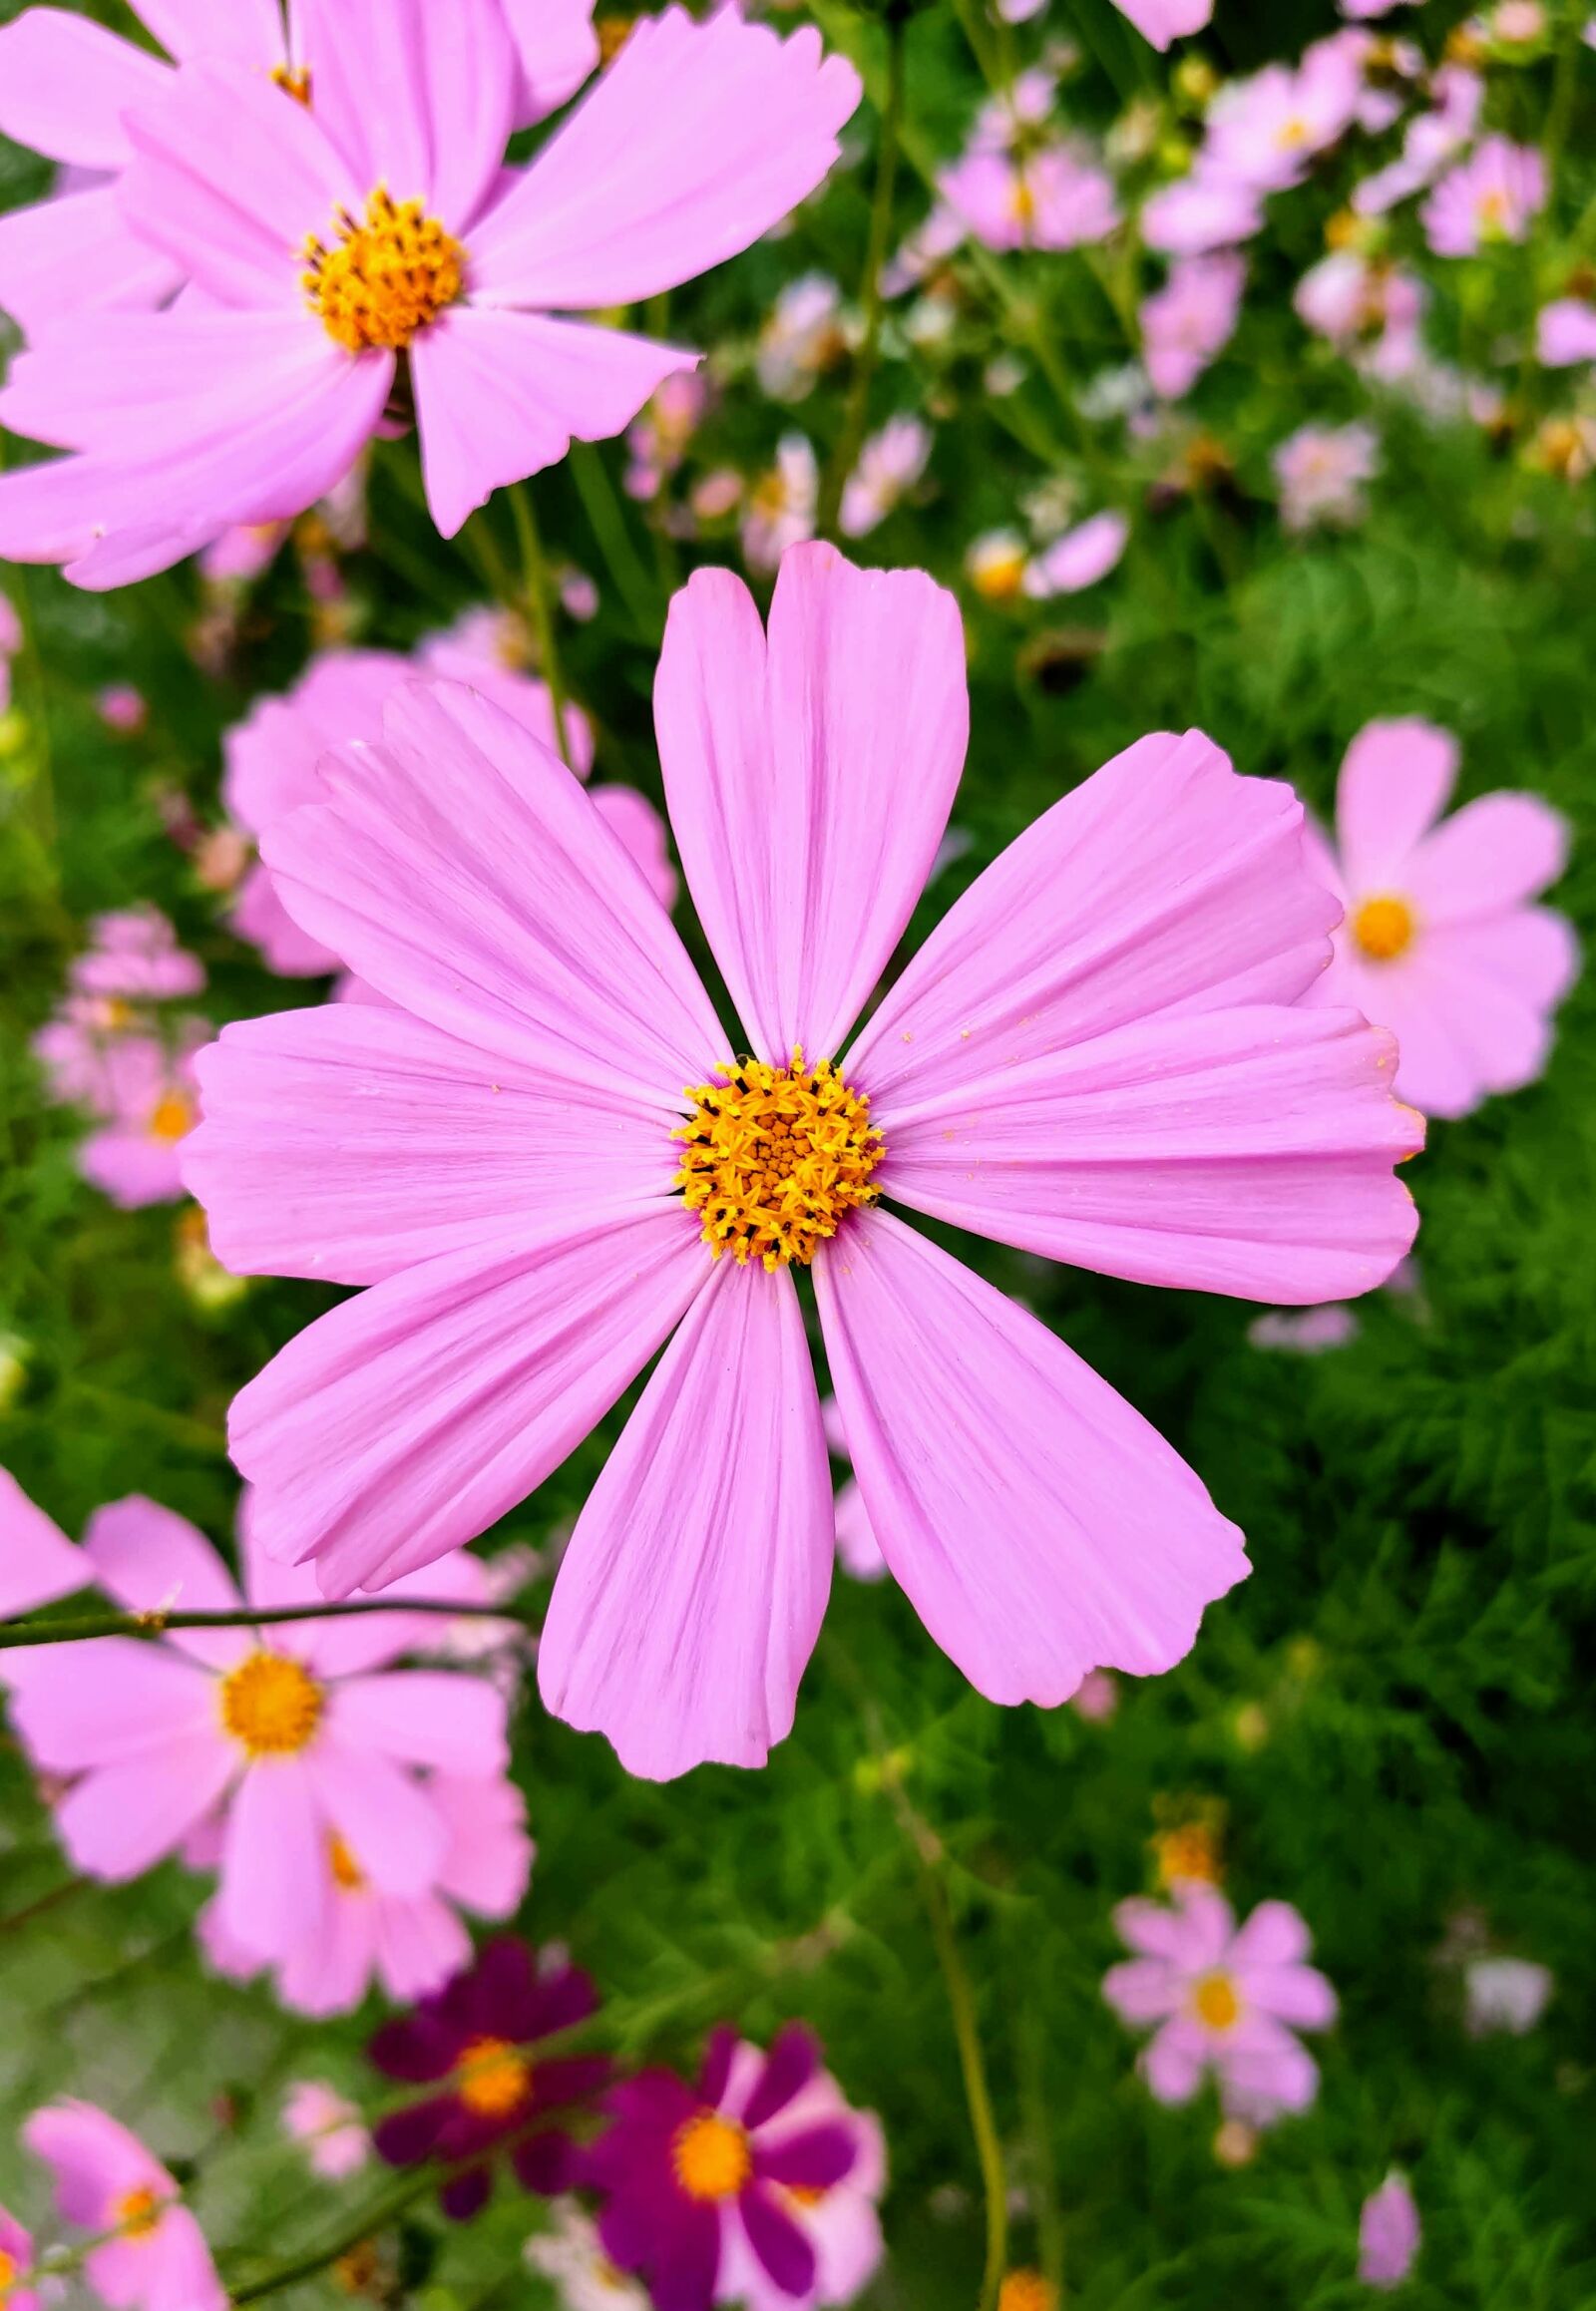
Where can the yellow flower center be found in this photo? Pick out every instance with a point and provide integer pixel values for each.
(711, 2156)
(805, 2193)
(171, 1117)
(10, 2273)
(1382, 928)
(492, 2077)
(346, 1871)
(1214, 2002)
(294, 81)
(1027, 2291)
(137, 2213)
(1188, 1850)
(1022, 203)
(775, 1157)
(270, 1704)
(384, 277)
(1492, 211)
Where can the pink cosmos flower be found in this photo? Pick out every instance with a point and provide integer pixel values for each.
(891, 462)
(1565, 332)
(757, 2185)
(1201, 212)
(803, 337)
(658, 440)
(1366, 308)
(783, 504)
(1190, 319)
(1388, 2234)
(301, 1734)
(38, 1563)
(319, 2117)
(1493, 196)
(1440, 941)
(1083, 557)
(1057, 197)
(409, 1943)
(1263, 131)
(151, 2254)
(1305, 1332)
(1226, 2000)
(1099, 1697)
(1428, 142)
(329, 243)
(1162, 21)
(134, 954)
(146, 1099)
(123, 709)
(1321, 470)
(1005, 122)
(1098, 1057)
(16, 2266)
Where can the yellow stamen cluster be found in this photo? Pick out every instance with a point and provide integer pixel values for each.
(384, 277)
(775, 1157)
(1215, 2002)
(492, 2077)
(137, 2213)
(1382, 928)
(10, 2273)
(710, 2156)
(294, 81)
(1027, 2291)
(270, 1704)
(346, 1871)
(171, 1117)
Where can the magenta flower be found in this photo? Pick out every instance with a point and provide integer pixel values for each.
(1493, 196)
(38, 1563)
(1190, 319)
(16, 2265)
(1098, 1057)
(303, 1734)
(721, 2192)
(475, 2039)
(1388, 2234)
(1227, 1999)
(1440, 941)
(150, 2255)
(1162, 21)
(329, 245)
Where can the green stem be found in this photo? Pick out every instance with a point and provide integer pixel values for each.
(540, 606)
(857, 407)
(609, 524)
(78, 1626)
(375, 2218)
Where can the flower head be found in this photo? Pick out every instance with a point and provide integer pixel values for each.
(151, 2254)
(1190, 319)
(1388, 2233)
(1493, 196)
(331, 2127)
(1321, 470)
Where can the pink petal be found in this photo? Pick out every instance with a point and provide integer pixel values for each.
(1143, 1990)
(74, 252)
(1294, 1994)
(490, 1854)
(1191, 1935)
(332, 1972)
(1173, 2061)
(1264, 2071)
(1162, 21)
(696, 142)
(179, 2275)
(1039, 1526)
(1246, 1151)
(631, 817)
(693, 1591)
(1273, 1935)
(1165, 882)
(66, 83)
(423, 1716)
(274, 1858)
(38, 1563)
(382, 1813)
(1489, 856)
(1393, 786)
(248, 30)
(408, 1420)
(1473, 1012)
(558, 48)
(149, 1559)
(419, 1945)
(809, 782)
(500, 395)
(350, 1648)
(121, 1819)
(105, 1699)
(352, 1142)
(464, 873)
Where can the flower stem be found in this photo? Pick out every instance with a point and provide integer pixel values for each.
(843, 457)
(86, 1625)
(540, 604)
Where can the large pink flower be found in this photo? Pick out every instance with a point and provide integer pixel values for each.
(1226, 1999)
(1099, 1056)
(67, 85)
(329, 245)
(1439, 941)
(302, 1731)
(150, 2255)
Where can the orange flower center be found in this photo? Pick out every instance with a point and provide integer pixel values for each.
(493, 2078)
(775, 1157)
(1027, 2291)
(711, 2156)
(171, 1117)
(137, 2213)
(1214, 2002)
(10, 2273)
(346, 1871)
(270, 1706)
(384, 276)
(294, 81)
(1382, 928)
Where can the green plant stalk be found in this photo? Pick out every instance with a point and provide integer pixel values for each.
(540, 604)
(983, 2125)
(80, 1626)
(609, 524)
(856, 413)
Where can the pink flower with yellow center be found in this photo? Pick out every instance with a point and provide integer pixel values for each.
(549, 1160)
(331, 243)
(1494, 196)
(149, 2253)
(16, 2266)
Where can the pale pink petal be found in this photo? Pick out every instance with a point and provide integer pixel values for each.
(1489, 856)
(75, 251)
(1160, 1930)
(1472, 1011)
(95, 2160)
(66, 84)
(119, 1821)
(38, 1563)
(418, 1945)
(348, 1648)
(1394, 785)
(500, 395)
(557, 47)
(1273, 1935)
(410, 1419)
(696, 141)
(1388, 2234)
(423, 1716)
(1162, 21)
(1086, 1542)
(462, 871)
(182, 2275)
(856, 1545)
(352, 1142)
(633, 816)
(693, 1591)
(1247, 1151)
(1143, 1990)
(391, 1828)
(1299, 1994)
(1265, 2071)
(149, 1559)
(274, 1869)
(251, 31)
(1164, 883)
(845, 2233)
(99, 1701)
(809, 781)
(490, 1854)
(331, 1972)
(1173, 2061)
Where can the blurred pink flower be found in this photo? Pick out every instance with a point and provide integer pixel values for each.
(146, 1099)
(1305, 1332)
(1507, 1995)
(134, 954)
(1565, 332)
(1054, 198)
(782, 505)
(1388, 2234)
(1201, 212)
(1360, 302)
(1162, 21)
(16, 2266)
(319, 2117)
(1491, 196)
(1081, 558)
(1099, 1697)
(326, 243)
(38, 1563)
(890, 462)
(1428, 142)
(1227, 1999)
(1439, 941)
(1190, 319)
(299, 1732)
(658, 440)
(150, 2253)
(1321, 470)
(499, 1155)
(1263, 131)
(858, 1550)
(802, 336)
